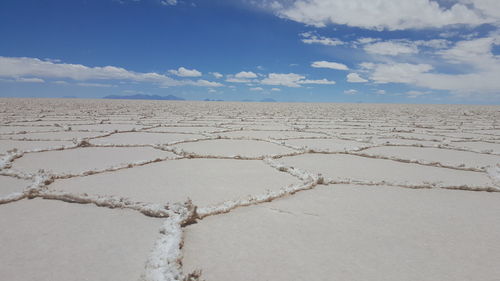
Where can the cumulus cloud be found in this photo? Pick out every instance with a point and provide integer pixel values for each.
(350, 92)
(184, 72)
(168, 2)
(387, 14)
(245, 75)
(478, 70)
(311, 38)
(204, 83)
(355, 78)
(331, 65)
(415, 94)
(30, 80)
(281, 79)
(100, 85)
(391, 48)
(241, 77)
(434, 43)
(256, 89)
(275, 89)
(217, 75)
(23, 67)
(475, 52)
(398, 72)
(292, 80)
(366, 40)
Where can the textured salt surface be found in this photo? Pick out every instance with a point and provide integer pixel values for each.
(6, 145)
(348, 232)
(67, 136)
(111, 180)
(270, 134)
(216, 181)
(446, 157)
(193, 129)
(86, 158)
(231, 148)
(339, 167)
(134, 138)
(329, 144)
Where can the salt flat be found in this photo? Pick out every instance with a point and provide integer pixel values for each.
(86, 158)
(12, 185)
(54, 240)
(346, 232)
(216, 181)
(6, 145)
(156, 190)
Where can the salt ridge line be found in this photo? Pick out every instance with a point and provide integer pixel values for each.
(419, 162)
(309, 181)
(165, 260)
(352, 151)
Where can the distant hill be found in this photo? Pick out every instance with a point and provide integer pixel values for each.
(207, 99)
(268, 100)
(142, 97)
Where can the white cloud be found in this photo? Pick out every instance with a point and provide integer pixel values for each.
(477, 70)
(475, 52)
(245, 75)
(355, 78)
(205, 83)
(100, 85)
(366, 40)
(184, 72)
(275, 89)
(30, 80)
(387, 14)
(414, 94)
(367, 65)
(398, 72)
(311, 38)
(380, 92)
(281, 79)
(350, 92)
(60, 82)
(391, 48)
(168, 2)
(217, 75)
(434, 43)
(241, 77)
(232, 79)
(23, 66)
(331, 65)
(256, 89)
(212, 91)
(319, 82)
(488, 7)
(291, 80)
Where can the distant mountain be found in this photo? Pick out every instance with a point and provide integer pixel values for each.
(268, 100)
(142, 97)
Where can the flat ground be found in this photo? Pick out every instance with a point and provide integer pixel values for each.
(155, 190)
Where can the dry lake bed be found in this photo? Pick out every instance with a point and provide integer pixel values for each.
(220, 191)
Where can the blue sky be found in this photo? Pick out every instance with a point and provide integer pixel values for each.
(405, 51)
